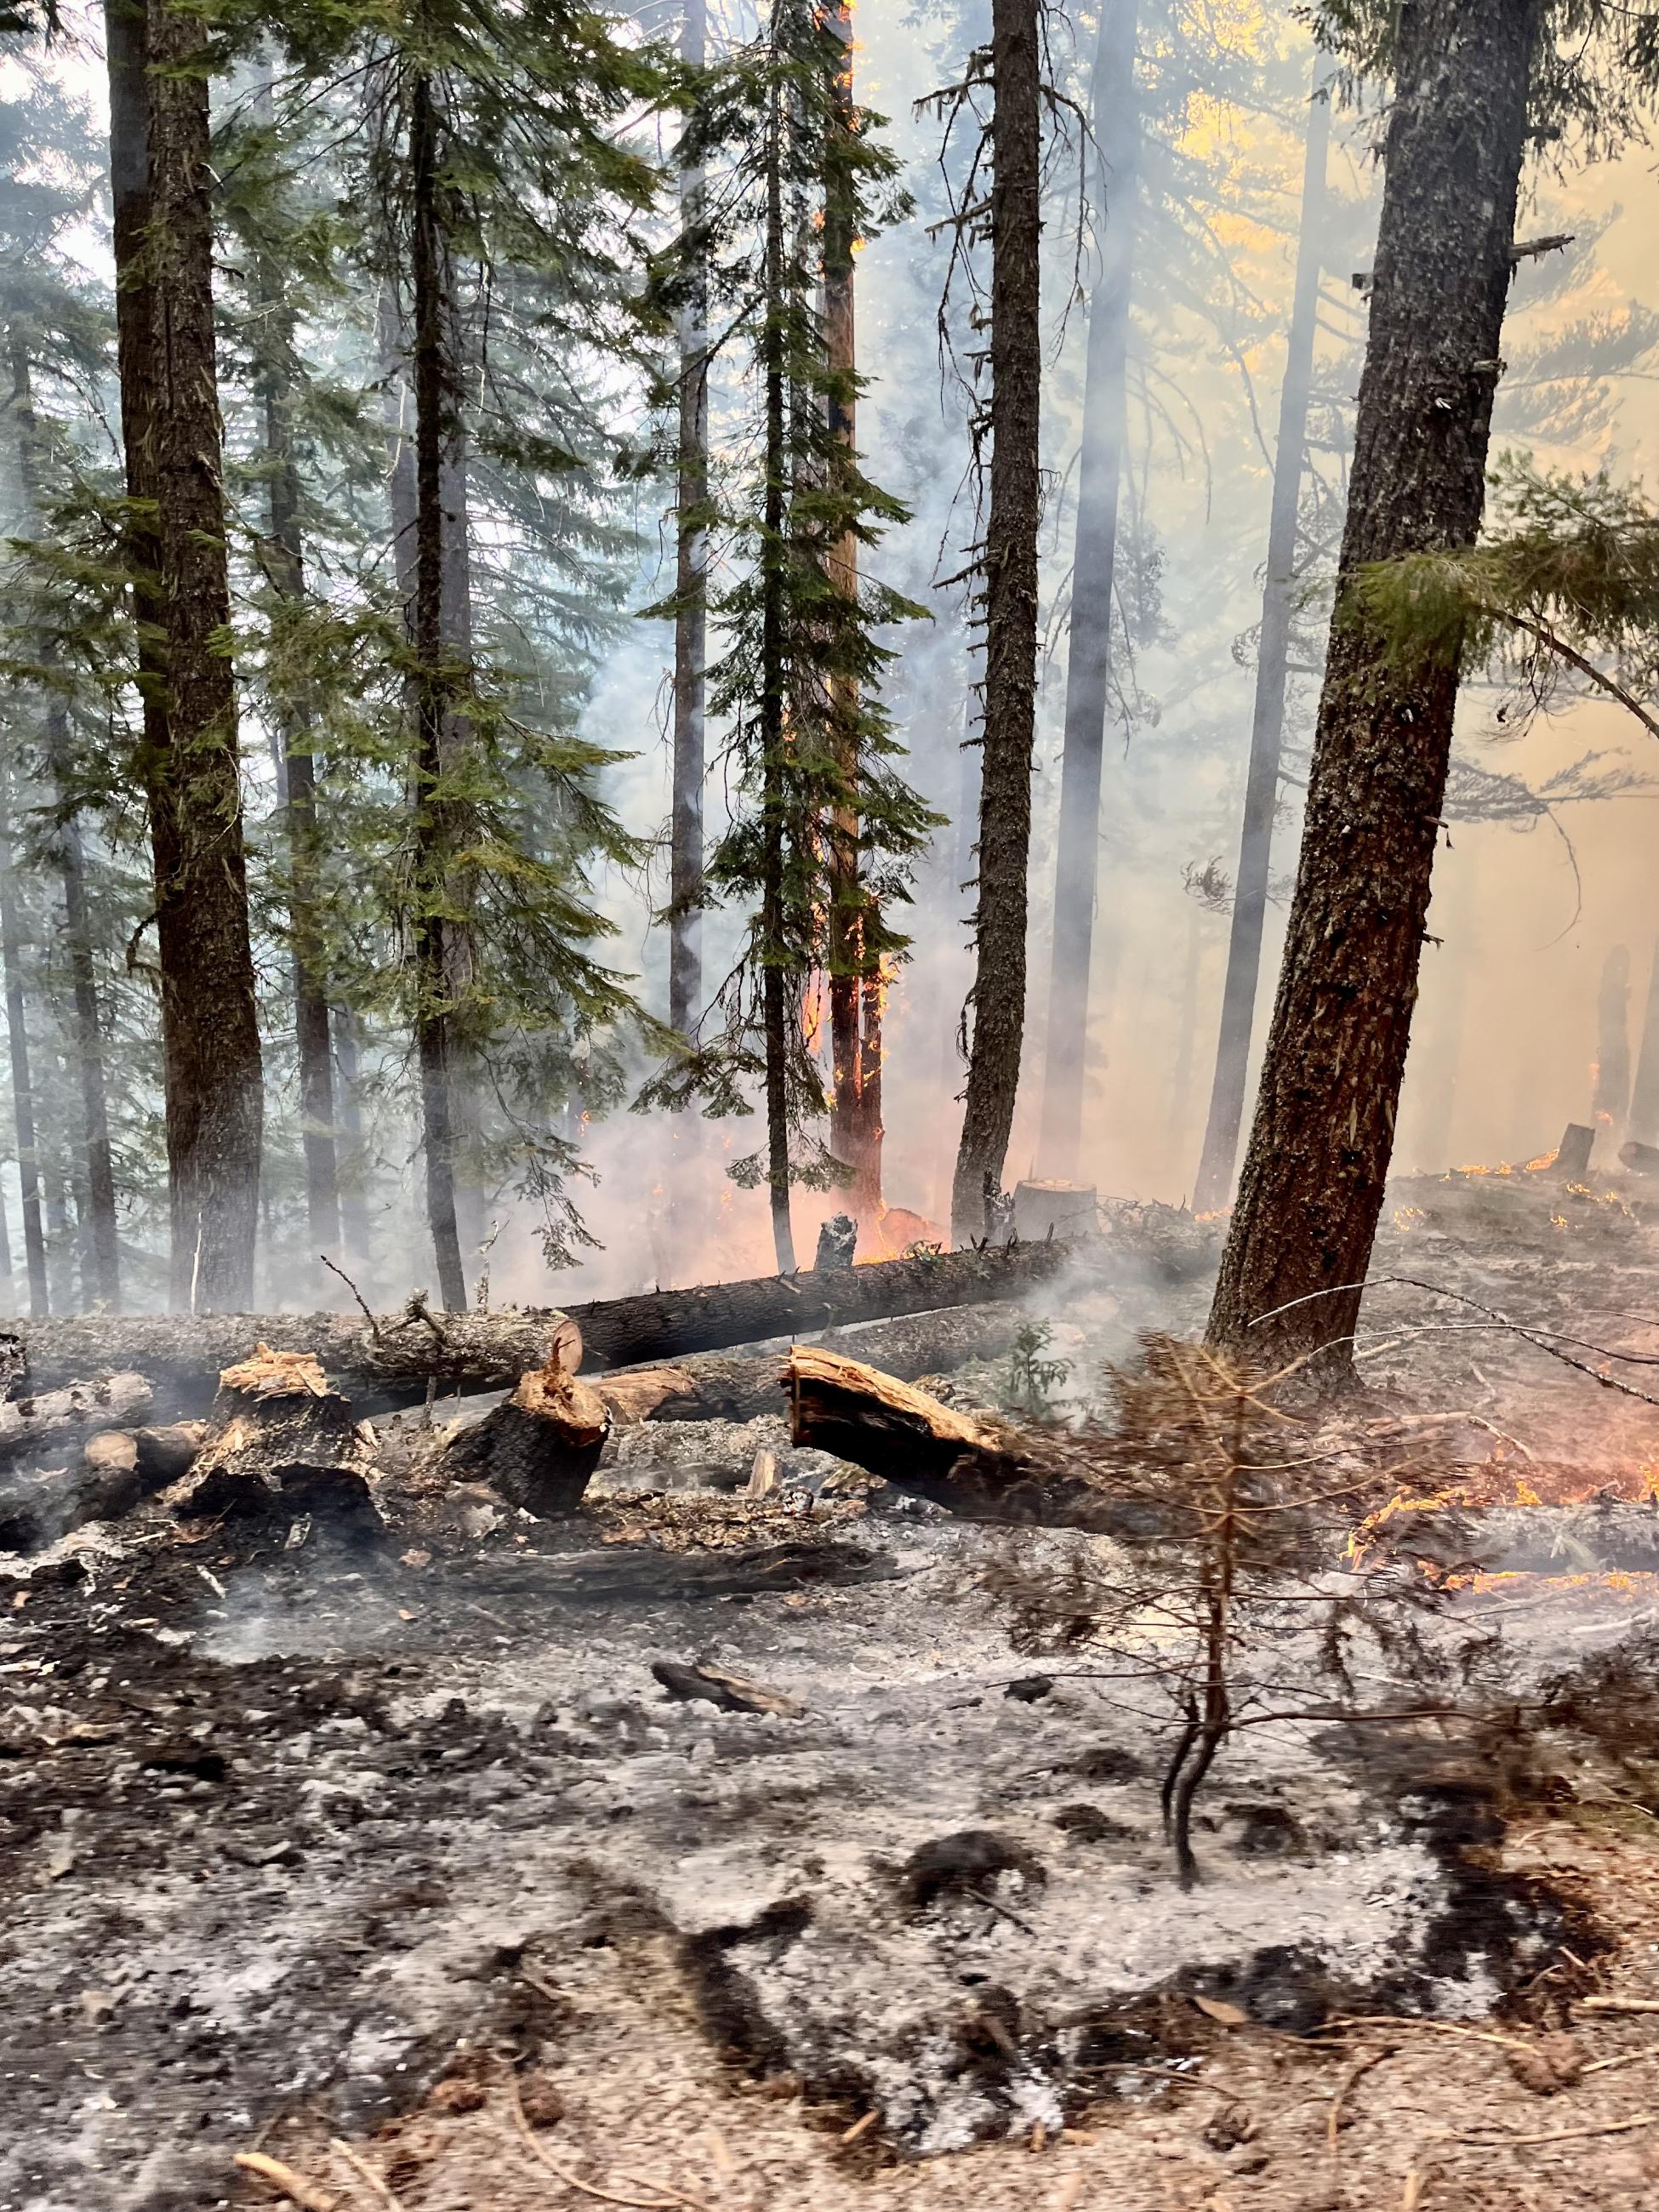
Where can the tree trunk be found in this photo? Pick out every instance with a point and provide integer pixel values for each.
(1105, 402)
(1301, 1237)
(105, 1268)
(209, 1026)
(286, 567)
(775, 677)
(22, 1084)
(1238, 993)
(1011, 594)
(856, 984)
(353, 1168)
(433, 403)
(1610, 1094)
(392, 1363)
(1644, 1092)
(691, 559)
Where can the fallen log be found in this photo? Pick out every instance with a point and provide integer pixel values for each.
(389, 1362)
(976, 1469)
(538, 1449)
(715, 1386)
(28, 1425)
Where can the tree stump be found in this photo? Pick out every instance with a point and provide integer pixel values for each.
(281, 1441)
(1573, 1155)
(538, 1447)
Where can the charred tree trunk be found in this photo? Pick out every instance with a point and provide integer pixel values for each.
(433, 404)
(774, 964)
(1010, 598)
(102, 1263)
(715, 1386)
(354, 1167)
(209, 1026)
(690, 567)
(1644, 1092)
(1610, 1091)
(286, 567)
(1105, 403)
(856, 984)
(22, 1079)
(1238, 993)
(1312, 1187)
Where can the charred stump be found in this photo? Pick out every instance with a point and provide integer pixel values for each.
(538, 1447)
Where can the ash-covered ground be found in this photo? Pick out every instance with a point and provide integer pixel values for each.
(292, 1824)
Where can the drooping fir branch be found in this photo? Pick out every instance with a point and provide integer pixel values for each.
(1569, 575)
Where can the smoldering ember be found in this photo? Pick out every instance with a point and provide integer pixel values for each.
(830, 1336)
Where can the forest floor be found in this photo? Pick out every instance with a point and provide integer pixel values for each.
(396, 1865)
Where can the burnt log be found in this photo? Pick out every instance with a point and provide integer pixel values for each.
(1641, 1159)
(28, 1425)
(389, 1362)
(281, 1445)
(714, 1386)
(538, 1449)
(975, 1468)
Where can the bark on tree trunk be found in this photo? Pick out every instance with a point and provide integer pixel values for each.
(1238, 992)
(103, 1265)
(209, 1026)
(434, 403)
(774, 1010)
(1105, 402)
(856, 991)
(22, 1081)
(1312, 1188)
(286, 568)
(538, 1447)
(691, 557)
(392, 1364)
(1011, 596)
(354, 1167)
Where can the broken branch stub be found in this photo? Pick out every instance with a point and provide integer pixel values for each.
(538, 1449)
